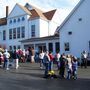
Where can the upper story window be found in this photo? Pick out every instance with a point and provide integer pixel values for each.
(23, 18)
(18, 20)
(14, 20)
(33, 31)
(23, 32)
(10, 33)
(14, 33)
(4, 35)
(10, 21)
(18, 32)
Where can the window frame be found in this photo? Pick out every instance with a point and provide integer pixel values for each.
(4, 34)
(23, 32)
(33, 31)
(66, 46)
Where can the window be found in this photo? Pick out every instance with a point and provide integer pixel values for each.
(14, 33)
(23, 18)
(18, 32)
(18, 46)
(70, 33)
(33, 31)
(4, 35)
(80, 19)
(23, 32)
(14, 47)
(57, 46)
(10, 21)
(14, 21)
(10, 33)
(66, 46)
(18, 19)
(89, 46)
(50, 47)
(10, 47)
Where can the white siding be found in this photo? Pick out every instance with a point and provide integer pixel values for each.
(36, 23)
(44, 28)
(16, 11)
(80, 30)
(4, 27)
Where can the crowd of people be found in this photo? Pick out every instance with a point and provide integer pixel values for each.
(13, 58)
(63, 62)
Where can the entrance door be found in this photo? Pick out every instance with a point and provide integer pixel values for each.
(42, 48)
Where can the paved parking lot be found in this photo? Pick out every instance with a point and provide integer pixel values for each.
(30, 77)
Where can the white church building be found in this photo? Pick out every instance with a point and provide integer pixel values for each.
(75, 30)
(28, 22)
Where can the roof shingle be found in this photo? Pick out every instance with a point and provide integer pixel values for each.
(3, 21)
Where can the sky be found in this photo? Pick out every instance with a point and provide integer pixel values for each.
(45, 5)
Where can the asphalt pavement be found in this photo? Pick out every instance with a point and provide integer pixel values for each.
(29, 76)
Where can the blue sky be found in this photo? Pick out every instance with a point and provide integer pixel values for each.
(45, 5)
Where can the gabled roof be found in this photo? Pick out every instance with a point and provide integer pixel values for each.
(34, 13)
(24, 8)
(72, 12)
(3, 21)
(49, 14)
(37, 13)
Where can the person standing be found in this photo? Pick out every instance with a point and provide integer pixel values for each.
(62, 66)
(46, 63)
(57, 57)
(51, 61)
(74, 67)
(1, 55)
(16, 59)
(69, 66)
(32, 55)
(84, 59)
(6, 59)
(41, 56)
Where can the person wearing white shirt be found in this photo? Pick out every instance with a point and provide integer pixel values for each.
(6, 59)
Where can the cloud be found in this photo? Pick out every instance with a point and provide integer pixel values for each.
(73, 2)
(42, 4)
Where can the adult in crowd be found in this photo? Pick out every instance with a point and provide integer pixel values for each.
(46, 61)
(51, 61)
(41, 56)
(69, 66)
(6, 59)
(84, 59)
(62, 61)
(1, 58)
(16, 59)
(57, 57)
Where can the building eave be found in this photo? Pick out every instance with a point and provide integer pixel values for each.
(40, 39)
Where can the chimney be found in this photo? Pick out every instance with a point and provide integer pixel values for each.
(6, 11)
